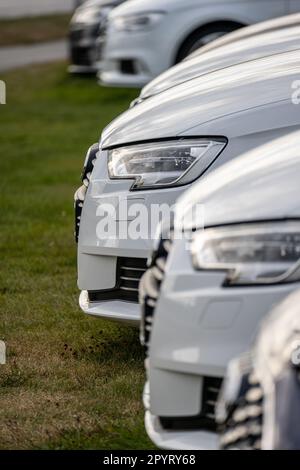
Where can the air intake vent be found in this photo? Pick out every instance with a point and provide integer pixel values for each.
(205, 421)
(150, 289)
(211, 390)
(129, 273)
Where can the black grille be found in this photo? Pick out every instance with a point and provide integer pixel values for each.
(129, 273)
(78, 205)
(102, 30)
(150, 288)
(127, 67)
(206, 420)
(241, 425)
(77, 34)
(211, 390)
(81, 56)
(100, 42)
(86, 32)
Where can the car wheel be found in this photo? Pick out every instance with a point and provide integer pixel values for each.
(202, 37)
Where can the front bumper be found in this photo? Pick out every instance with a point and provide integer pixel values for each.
(81, 65)
(175, 439)
(115, 310)
(122, 73)
(109, 270)
(133, 59)
(199, 327)
(120, 303)
(182, 440)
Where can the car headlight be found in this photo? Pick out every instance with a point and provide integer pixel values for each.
(90, 15)
(164, 164)
(137, 22)
(253, 254)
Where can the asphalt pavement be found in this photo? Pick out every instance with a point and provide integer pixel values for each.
(18, 8)
(19, 56)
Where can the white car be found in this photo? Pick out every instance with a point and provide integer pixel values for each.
(206, 299)
(146, 37)
(253, 42)
(152, 153)
(87, 24)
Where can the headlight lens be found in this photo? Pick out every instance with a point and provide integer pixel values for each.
(89, 15)
(266, 253)
(138, 22)
(163, 164)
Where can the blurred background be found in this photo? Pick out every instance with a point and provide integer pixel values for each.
(15, 8)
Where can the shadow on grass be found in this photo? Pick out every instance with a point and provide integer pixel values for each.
(103, 348)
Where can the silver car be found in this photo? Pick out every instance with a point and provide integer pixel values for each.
(154, 152)
(204, 300)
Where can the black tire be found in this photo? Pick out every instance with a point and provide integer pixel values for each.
(203, 36)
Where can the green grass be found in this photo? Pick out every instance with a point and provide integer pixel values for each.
(33, 30)
(70, 382)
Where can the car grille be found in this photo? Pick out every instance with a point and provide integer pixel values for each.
(241, 426)
(77, 35)
(211, 390)
(150, 289)
(100, 42)
(128, 67)
(81, 56)
(129, 273)
(206, 420)
(86, 32)
(78, 205)
(102, 30)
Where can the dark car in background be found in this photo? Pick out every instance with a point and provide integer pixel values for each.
(87, 24)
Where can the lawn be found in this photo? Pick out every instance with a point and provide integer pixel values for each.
(70, 382)
(33, 29)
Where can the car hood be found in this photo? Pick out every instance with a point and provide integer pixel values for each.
(261, 185)
(179, 110)
(100, 3)
(140, 6)
(238, 52)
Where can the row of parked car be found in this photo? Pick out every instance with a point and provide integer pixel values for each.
(212, 145)
(128, 43)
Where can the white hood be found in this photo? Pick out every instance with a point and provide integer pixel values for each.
(99, 3)
(183, 109)
(140, 6)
